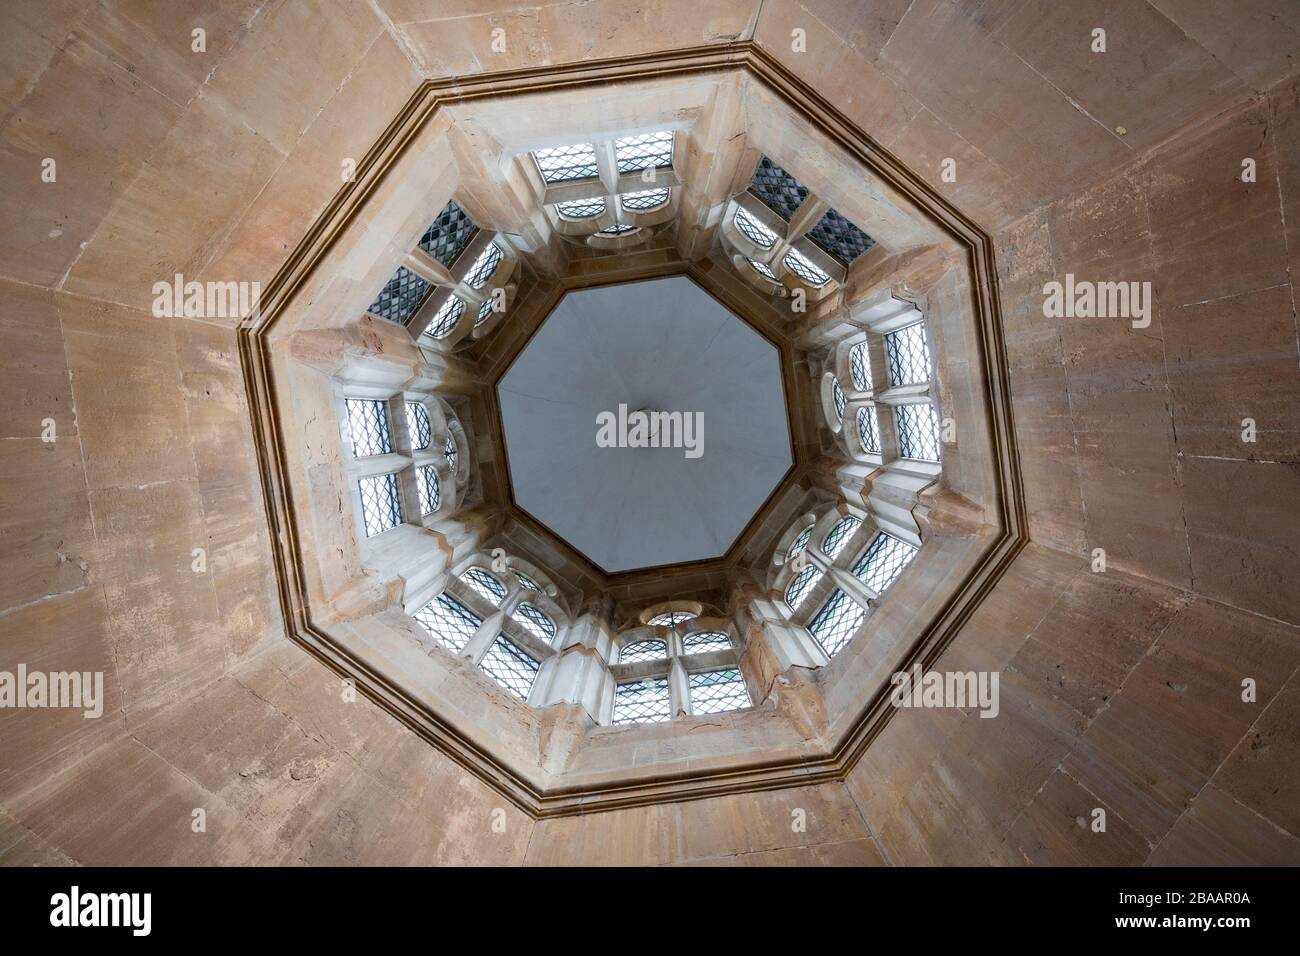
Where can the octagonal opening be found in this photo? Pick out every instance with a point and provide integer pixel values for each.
(645, 424)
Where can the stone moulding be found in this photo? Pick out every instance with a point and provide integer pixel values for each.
(259, 379)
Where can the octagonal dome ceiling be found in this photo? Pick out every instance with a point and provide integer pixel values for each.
(663, 345)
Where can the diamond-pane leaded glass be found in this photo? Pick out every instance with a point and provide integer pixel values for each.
(510, 667)
(381, 509)
(446, 319)
(802, 266)
(704, 641)
(868, 432)
(449, 621)
(560, 164)
(718, 691)
(484, 266)
(417, 423)
(368, 423)
(527, 582)
(671, 618)
(580, 208)
(761, 269)
(882, 562)
(839, 536)
(487, 586)
(644, 151)
(909, 359)
(780, 191)
(753, 230)
(642, 651)
(918, 432)
(837, 394)
(840, 238)
(426, 483)
(484, 311)
(644, 200)
(450, 233)
(800, 542)
(618, 229)
(837, 622)
(800, 585)
(400, 297)
(449, 452)
(535, 621)
(860, 367)
(642, 702)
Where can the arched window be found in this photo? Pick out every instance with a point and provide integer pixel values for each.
(642, 702)
(860, 367)
(702, 642)
(535, 621)
(426, 485)
(800, 585)
(839, 535)
(526, 582)
(618, 229)
(510, 667)
(761, 269)
(882, 562)
(868, 432)
(417, 423)
(484, 266)
(645, 200)
(840, 401)
(753, 230)
(714, 692)
(800, 542)
(449, 452)
(803, 267)
(642, 651)
(670, 618)
(485, 585)
(578, 209)
(446, 319)
(368, 423)
(449, 621)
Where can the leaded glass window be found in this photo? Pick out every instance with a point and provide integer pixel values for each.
(800, 542)
(559, 164)
(717, 691)
(484, 266)
(417, 423)
(368, 423)
(381, 507)
(642, 702)
(645, 200)
(400, 296)
(527, 582)
(535, 621)
(837, 622)
(800, 586)
(642, 651)
(761, 269)
(868, 432)
(581, 208)
(426, 483)
(487, 587)
(882, 562)
(753, 229)
(671, 618)
(778, 190)
(803, 267)
(484, 311)
(618, 229)
(449, 234)
(510, 667)
(840, 238)
(839, 536)
(908, 357)
(918, 432)
(449, 452)
(860, 367)
(702, 642)
(449, 621)
(838, 394)
(448, 315)
(644, 151)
